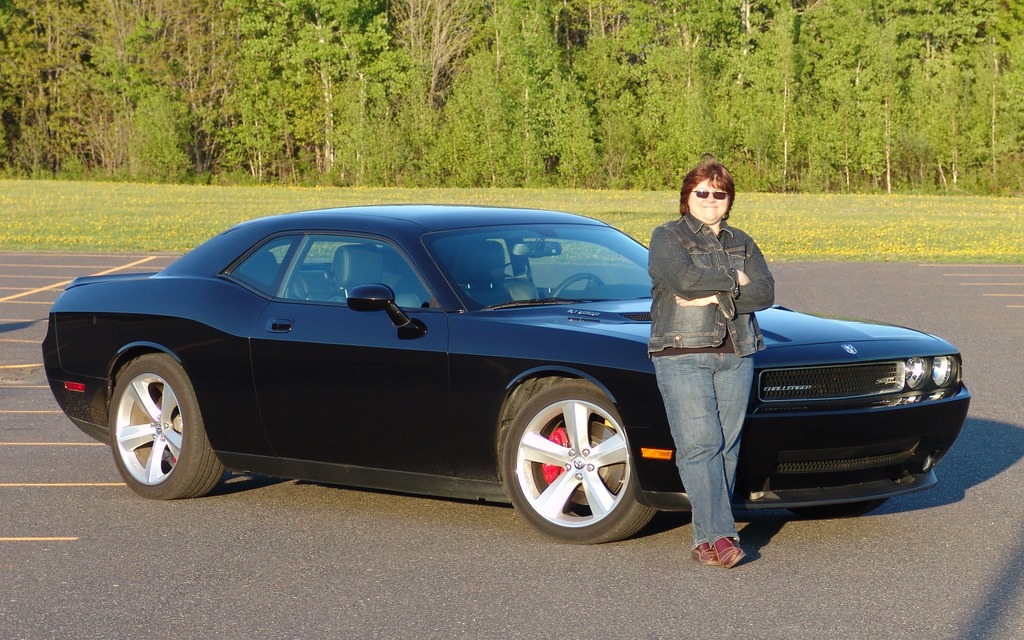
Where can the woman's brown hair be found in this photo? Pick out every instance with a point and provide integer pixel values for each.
(710, 169)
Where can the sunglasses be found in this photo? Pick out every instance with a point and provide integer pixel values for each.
(717, 195)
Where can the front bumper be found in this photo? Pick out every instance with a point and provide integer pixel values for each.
(807, 459)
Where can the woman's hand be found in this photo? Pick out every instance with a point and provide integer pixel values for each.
(742, 278)
(697, 302)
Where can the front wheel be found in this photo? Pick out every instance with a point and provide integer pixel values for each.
(157, 433)
(567, 468)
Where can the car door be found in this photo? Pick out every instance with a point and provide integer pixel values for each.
(343, 386)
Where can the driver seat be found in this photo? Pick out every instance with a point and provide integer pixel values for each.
(480, 269)
(357, 264)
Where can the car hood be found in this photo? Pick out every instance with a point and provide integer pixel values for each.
(789, 336)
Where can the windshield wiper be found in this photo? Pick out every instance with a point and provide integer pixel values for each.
(531, 303)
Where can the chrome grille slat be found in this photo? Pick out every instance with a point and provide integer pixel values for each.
(830, 382)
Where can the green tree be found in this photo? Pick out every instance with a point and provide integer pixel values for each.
(44, 47)
(1007, 34)
(684, 75)
(314, 75)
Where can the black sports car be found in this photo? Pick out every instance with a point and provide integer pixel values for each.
(478, 353)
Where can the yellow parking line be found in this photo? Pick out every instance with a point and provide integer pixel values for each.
(21, 341)
(974, 266)
(52, 444)
(65, 282)
(28, 411)
(18, 485)
(41, 265)
(23, 294)
(42, 539)
(20, 366)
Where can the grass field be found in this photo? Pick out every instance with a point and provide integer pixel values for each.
(40, 215)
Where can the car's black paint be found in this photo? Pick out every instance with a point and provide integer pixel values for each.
(339, 393)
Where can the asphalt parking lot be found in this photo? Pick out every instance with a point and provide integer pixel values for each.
(83, 557)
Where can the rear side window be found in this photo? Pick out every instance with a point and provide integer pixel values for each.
(263, 268)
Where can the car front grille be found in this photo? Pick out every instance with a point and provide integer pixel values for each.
(830, 383)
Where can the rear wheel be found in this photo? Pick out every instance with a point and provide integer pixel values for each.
(157, 433)
(567, 468)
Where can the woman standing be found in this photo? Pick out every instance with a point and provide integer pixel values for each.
(708, 280)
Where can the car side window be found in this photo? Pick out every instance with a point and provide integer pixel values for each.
(262, 269)
(330, 266)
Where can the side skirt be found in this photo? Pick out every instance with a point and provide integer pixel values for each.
(366, 478)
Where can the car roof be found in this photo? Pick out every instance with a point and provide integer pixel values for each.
(429, 217)
(402, 223)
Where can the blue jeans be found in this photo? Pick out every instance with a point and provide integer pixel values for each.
(705, 397)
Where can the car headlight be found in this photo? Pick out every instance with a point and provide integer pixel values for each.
(944, 370)
(916, 372)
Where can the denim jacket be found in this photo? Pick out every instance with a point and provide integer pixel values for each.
(688, 260)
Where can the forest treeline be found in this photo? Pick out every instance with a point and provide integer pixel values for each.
(794, 95)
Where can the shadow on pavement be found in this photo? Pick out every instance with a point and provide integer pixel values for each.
(18, 326)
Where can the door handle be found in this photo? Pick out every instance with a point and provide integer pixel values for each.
(280, 325)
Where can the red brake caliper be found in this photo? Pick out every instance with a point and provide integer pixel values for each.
(552, 471)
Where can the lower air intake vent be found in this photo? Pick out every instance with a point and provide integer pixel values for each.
(848, 464)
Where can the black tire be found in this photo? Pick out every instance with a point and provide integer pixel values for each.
(154, 411)
(843, 510)
(563, 454)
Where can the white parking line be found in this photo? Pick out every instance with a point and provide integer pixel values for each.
(982, 275)
(65, 282)
(42, 539)
(990, 272)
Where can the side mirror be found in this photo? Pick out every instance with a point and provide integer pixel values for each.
(380, 297)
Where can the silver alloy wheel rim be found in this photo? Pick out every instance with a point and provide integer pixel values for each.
(148, 429)
(595, 466)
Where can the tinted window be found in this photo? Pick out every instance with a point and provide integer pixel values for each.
(262, 269)
(519, 264)
(328, 267)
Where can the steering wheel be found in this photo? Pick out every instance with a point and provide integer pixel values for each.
(590, 278)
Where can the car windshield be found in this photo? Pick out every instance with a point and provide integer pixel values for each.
(522, 265)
